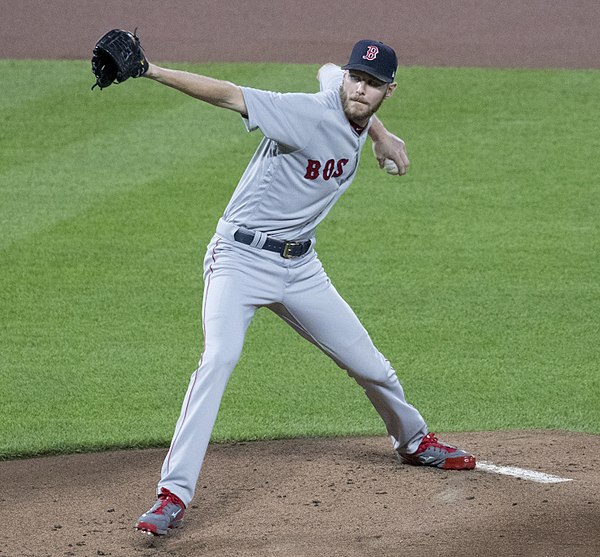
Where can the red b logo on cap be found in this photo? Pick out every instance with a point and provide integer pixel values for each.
(372, 52)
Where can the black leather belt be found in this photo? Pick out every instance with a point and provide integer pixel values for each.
(284, 248)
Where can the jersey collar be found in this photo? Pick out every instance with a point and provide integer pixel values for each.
(358, 129)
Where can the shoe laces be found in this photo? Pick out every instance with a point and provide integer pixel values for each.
(166, 498)
(431, 440)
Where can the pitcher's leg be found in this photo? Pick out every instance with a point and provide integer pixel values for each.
(225, 320)
(329, 321)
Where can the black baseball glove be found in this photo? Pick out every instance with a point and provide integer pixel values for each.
(117, 56)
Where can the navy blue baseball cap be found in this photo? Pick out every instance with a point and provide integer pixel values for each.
(375, 58)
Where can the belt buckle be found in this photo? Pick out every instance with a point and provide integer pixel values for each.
(286, 249)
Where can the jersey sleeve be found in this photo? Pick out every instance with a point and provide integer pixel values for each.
(287, 118)
(330, 77)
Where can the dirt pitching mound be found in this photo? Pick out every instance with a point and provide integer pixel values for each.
(336, 497)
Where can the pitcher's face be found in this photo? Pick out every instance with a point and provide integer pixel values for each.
(362, 95)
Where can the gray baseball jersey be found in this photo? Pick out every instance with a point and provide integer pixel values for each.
(307, 159)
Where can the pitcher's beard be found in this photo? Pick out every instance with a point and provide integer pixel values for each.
(358, 112)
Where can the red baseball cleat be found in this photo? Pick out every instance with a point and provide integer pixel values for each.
(166, 513)
(432, 452)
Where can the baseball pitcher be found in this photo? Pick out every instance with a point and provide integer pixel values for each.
(263, 252)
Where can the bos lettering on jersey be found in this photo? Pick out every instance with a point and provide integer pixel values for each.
(330, 169)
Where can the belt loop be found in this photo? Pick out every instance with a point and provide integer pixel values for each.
(226, 229)
(259, 239)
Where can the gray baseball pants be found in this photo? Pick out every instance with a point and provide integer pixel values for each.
(239, 279)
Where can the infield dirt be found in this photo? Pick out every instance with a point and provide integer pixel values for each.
(334, 497)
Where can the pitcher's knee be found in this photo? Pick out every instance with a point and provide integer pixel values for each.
(219, 361)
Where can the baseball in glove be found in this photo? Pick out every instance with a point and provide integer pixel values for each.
(118, 55)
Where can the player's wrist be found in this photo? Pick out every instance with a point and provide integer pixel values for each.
(152, 72)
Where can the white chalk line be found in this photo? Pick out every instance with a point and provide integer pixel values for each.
(522, 473)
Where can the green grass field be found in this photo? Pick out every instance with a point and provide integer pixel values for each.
(477, 274)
